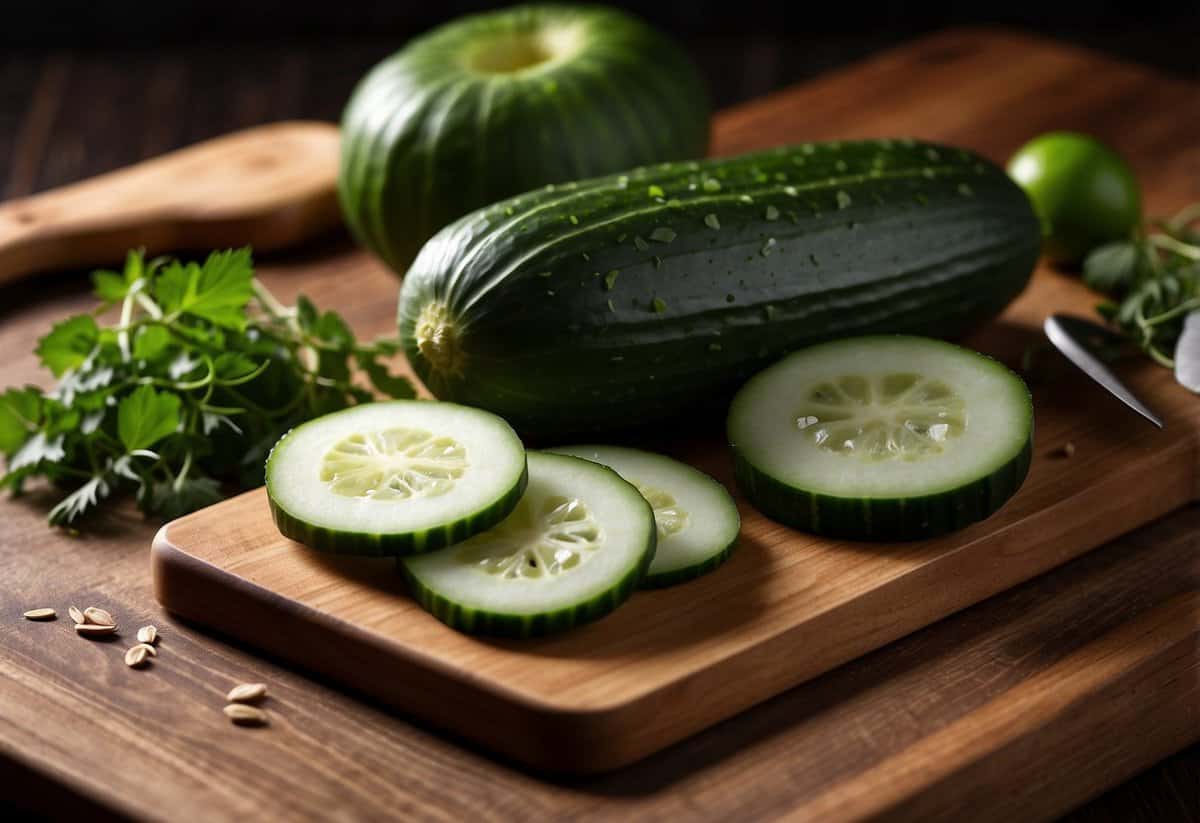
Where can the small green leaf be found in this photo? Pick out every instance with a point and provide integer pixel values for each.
(68, 344)
(146, 416)
(306, 313)
(385, 382)
(1112, 268)
(712, 221)
(20, 414)
(109, 286)
(659, 305)
(663, 234)
(216, 291)
(655, 191)
(150, 342)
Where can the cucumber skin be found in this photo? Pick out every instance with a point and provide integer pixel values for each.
(475, 621)
(424, 141)
(935, 257)
(883, 519)
(663, 580)
(340, 541)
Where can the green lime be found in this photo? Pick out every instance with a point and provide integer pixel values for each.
(1083, 191)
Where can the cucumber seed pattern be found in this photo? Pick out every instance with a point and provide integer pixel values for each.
(394, 464)
(542, 538)
(668, 516)
(882, 417)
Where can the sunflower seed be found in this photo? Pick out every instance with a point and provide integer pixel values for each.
(244, 715)
(40, 614)
(94, 629)
(136, 656)
(98, 616)
(147, 648)
(247, 692)
(147, 634)
(76, 615)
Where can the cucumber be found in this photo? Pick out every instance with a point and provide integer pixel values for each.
(495, 104)
(394, 478)
(881, 438)
(623, 300)
(697, 521)
(574, 549)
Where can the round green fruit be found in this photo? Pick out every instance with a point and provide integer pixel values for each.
(496, 104)
(1084, 193)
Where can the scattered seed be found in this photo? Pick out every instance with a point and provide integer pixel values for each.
(94, 629)
(843, 200)
(1067, 449)
(772, 213)
(247, 692)
(639, 243)
(150, 650)
(99, 616)
(663, 234)
(148, 635)
(655, 191)
(40, 614)
(244, 715)
(76, 615)
(658, 305)
(711, 221)
(610, 279)
(136, 656)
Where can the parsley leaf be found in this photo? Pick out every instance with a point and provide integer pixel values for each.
(216, 291)
(68, 344)
(191, 387)
(146, 416)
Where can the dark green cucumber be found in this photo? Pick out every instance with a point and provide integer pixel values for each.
(621, 300)
(498, 103)
(573, 550)
(881, 438)
(395, 478)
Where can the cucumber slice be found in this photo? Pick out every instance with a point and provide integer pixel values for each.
(697, 520)
(881, 438)
(394, 478)
(574, 549)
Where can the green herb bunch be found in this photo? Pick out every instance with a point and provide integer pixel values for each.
(190, 388)
(1153, 281)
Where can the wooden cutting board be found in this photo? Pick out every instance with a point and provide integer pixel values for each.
(787, 606)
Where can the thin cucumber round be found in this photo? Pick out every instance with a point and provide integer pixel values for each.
(395, 478)
(881, 438)
(696, 519)
(574, 549)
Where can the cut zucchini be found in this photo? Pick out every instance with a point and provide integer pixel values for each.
(696, 519)
(881, 438)
(395, 478)
(574, 549)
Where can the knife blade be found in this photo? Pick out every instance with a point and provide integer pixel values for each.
(1066, 333)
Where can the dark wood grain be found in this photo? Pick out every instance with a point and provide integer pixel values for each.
(77, 728)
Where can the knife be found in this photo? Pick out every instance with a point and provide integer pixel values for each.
(1067, 333)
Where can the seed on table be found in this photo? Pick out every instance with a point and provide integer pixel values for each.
(244, 715)
(147, 634)
(40, 614)
(98, 616)
(76, 615)
(147, 648)
(136, 656)
(94, 629)
(247, 692)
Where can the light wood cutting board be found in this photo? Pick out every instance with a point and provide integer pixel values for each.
(787, 606)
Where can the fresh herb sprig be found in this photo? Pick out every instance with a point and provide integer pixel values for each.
(200, 374)
(1153, 281)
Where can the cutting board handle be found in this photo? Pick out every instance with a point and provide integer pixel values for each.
(269, 187)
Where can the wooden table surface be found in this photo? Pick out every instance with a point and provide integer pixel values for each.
(81, 732)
